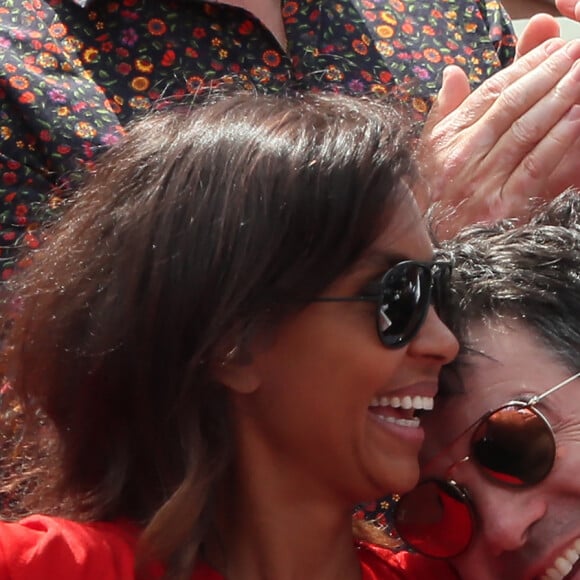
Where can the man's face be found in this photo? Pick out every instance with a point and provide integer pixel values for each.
(521, 534)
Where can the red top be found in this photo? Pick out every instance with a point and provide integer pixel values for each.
(45, 547)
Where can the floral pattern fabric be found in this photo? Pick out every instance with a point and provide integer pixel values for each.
(73, 73)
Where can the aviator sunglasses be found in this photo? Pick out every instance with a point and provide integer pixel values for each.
(513, 445)
(404, 295)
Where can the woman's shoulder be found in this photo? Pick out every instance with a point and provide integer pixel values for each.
(49, 547)
(379, 563)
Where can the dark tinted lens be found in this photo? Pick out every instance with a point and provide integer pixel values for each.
(435, 519)
(514, 445)
(405, 302)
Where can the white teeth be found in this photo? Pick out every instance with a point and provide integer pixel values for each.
(414, 422)
(417, 402)
(563, 564)
(553, 574)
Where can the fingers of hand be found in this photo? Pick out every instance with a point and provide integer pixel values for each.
(537, 90)
(519, 117)
(532, 126)
(557, 151)
(485, 96)
(505, 147)
(569, 8)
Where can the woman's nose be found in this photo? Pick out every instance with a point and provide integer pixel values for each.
(434, 340)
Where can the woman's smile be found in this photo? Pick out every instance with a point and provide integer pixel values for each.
(400, 413)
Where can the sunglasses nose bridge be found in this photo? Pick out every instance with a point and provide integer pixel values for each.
(449, 474)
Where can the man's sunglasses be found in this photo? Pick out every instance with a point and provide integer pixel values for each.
(403, 298)
(513, 446)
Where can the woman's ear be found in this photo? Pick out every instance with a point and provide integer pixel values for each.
(236, 371)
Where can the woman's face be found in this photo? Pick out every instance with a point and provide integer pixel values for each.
(306, 407)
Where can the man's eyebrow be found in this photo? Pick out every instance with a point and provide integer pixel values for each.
(469, 352)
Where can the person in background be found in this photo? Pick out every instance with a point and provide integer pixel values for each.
(207, 343)
(522, 11)
(74, 73)
(526, 8)
(500, 490)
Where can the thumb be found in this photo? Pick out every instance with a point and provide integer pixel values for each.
(454, 90)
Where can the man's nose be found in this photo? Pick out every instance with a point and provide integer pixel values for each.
(506, 514)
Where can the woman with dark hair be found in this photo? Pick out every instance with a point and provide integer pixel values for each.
(222, 346)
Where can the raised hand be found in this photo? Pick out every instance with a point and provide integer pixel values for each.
(497, 150)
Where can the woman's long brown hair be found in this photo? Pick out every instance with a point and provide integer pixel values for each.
(201, 223)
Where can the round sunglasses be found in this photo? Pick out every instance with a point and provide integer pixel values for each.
(403, 298)
(513, 445)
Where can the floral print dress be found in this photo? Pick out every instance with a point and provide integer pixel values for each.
(73, 73)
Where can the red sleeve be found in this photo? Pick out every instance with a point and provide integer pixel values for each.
(44, 547)
(204, 571)
(379, 563)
